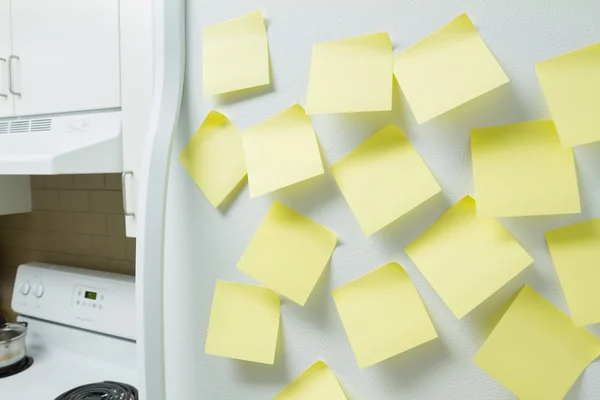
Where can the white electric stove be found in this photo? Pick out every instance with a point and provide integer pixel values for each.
(81, 331)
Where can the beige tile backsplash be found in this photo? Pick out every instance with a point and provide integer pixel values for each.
(77, 220)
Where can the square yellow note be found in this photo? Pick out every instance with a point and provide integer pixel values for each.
(281, 151)
(351, 75)
(575, 250)
(447, 69)
(318, 382)
(383, 179)
(467, 258)
(235, 54)
(383, 314)
(214, 157)
(244, 323)
(571, 84)
(521, 169)
(288, 253)
(535, 350)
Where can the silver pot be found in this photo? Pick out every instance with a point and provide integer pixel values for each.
(12, 342)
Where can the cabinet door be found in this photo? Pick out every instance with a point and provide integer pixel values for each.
(6, 105)
(136, 91)
(68, 55)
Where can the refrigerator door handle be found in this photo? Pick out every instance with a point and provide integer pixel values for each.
(169, 63)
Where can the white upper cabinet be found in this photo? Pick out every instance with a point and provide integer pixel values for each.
(137, 74)
(65, 55)
(6, 104)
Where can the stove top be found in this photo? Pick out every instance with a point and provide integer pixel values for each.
(67, 358)
(14, 369)
(101, 391)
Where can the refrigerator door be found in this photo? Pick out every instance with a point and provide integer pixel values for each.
(169, 51)
(204, 244)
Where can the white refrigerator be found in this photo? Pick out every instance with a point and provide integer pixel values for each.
(185, 245)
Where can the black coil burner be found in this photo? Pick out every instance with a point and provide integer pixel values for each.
(17, 367)
(101, 391)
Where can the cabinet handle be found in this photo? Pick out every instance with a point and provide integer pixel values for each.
(124, 191)
(10, 73)
(5, 95)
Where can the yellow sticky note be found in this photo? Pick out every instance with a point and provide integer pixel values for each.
(214, 157)
(383, 179)
(447, 69)
(281, 151)
(235, 54)
(535, 350)
(288, 253)
(244, 323)
(318, 382)
(351, 75)
(522, 169)
(571, 84)
(575, 250)
(467, 258)
(383, 314)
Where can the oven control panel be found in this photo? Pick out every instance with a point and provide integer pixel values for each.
(97, 301)
(92, 298)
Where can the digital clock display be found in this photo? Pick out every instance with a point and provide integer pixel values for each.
(91, 295)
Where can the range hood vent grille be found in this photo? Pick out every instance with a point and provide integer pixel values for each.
(19, 126)
(41, 125)
(26, 126)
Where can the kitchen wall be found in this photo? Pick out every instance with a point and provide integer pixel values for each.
(77, 220)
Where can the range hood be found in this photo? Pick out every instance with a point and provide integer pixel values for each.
(83, 143)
